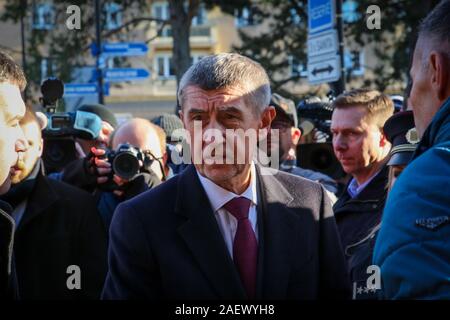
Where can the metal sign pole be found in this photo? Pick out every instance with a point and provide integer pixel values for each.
(99, 52)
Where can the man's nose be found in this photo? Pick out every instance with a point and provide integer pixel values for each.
(339, 144)
(212, 128)
(21, 142)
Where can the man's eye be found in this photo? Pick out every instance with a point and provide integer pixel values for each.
(197, 117)
(230, 117)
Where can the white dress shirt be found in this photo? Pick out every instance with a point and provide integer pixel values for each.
(218, 197)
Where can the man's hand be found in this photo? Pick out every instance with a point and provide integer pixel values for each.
(102, 168)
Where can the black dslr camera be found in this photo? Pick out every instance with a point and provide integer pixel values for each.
(125, 161)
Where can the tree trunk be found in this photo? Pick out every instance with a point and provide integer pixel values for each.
(180, 21)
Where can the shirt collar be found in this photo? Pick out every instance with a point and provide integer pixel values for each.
(219, 196)
(354, 189)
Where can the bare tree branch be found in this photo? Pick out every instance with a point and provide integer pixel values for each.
(161, 27)
(132, 22)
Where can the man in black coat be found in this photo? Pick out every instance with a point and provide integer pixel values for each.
(226, 230)
(60, 241)
(362, 148)
(12, 142)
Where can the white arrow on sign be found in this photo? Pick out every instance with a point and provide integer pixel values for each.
(326, 70)
(323, 43)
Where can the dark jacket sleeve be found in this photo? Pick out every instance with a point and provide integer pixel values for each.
(334, 277)
(77, 174)
(132, 269)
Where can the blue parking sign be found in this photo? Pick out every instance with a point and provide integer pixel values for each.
(321, 15)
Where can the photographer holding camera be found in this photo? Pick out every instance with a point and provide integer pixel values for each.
(135, 164)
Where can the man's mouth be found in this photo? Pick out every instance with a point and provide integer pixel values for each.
(15, 170)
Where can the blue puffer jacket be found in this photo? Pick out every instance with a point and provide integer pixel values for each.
(413, 246)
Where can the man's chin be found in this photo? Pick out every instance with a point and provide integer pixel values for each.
(217, 172)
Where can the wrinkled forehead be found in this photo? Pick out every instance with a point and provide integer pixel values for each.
(195, 96)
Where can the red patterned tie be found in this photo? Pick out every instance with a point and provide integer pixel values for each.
(245, 247)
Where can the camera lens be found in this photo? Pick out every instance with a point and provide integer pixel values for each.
(126, 165)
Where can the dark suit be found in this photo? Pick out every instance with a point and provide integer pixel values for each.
(166, 243)
(60, 227)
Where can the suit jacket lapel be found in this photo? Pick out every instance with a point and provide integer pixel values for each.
(203, 237)
(279, 233)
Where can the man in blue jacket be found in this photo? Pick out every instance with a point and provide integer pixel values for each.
(413, 246)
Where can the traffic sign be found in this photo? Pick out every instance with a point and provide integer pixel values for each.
(121, 49)
(83, 89)
(321, 15)
(323, 43)
(77, 89)
(125, 74)
(326, 70)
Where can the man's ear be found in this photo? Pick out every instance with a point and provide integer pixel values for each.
(439, 66)
(181, 115)
(267, 117)
(383, 140)
(41, 147)
(296, 134)
(165, 157)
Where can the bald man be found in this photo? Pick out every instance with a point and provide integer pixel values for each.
(139, 133)
(145, 135)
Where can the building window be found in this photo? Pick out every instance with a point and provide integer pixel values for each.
(48, 68)
(354, 62)
(161, 11)
(164, 66)
(200, 19)
(349, 11)
(43, 16)
(113, 16)
(296, 19)
(245, 17)
(297, 68)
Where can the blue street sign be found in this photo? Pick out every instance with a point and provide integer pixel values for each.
(121, 49)
(125, 74)
(83, 89)
(321, 15)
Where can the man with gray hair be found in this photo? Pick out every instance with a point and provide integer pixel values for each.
(226, 227)
(412, 249)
